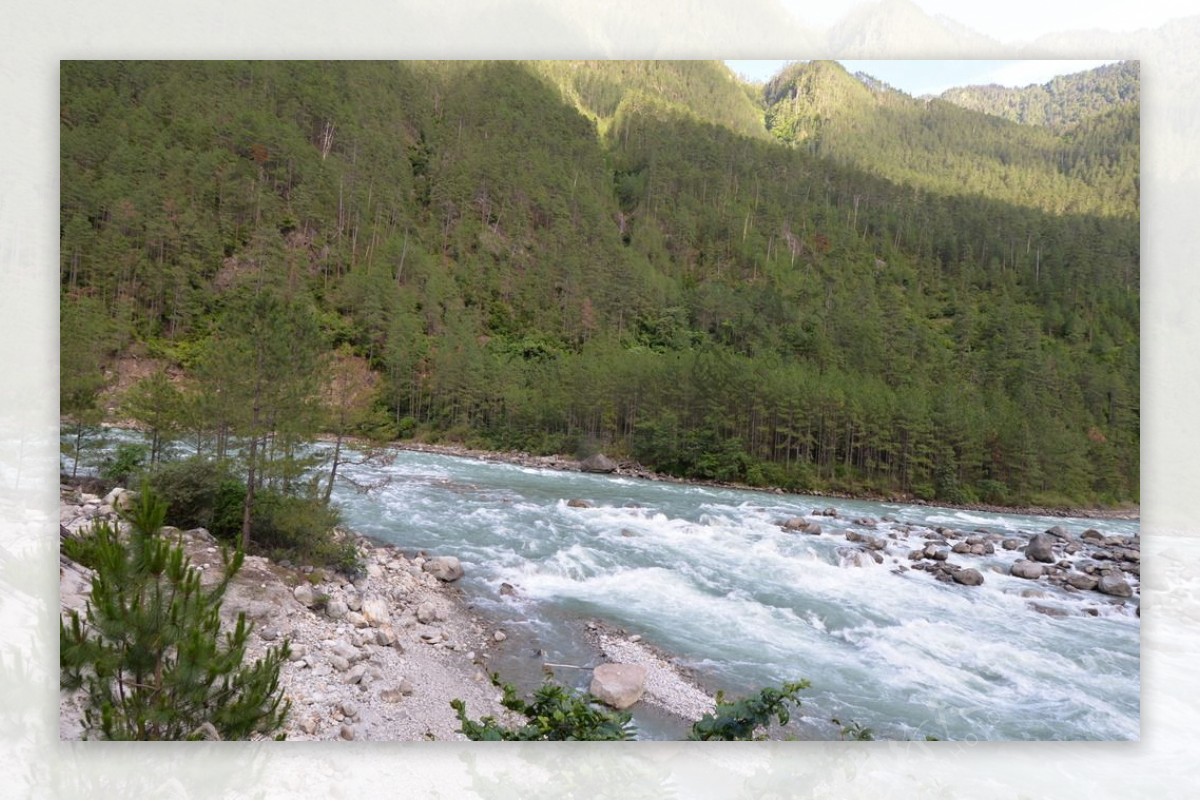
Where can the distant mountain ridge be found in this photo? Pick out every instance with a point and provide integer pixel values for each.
(1059, 103)
(944, 146)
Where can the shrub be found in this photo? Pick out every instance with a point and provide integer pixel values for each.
(747, 718)
(149, 653)
(201, 493)
(303, 528)
(125, 463)
(556, 713)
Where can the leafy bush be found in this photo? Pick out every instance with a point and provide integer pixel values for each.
(201, 493)
(557, 713)
(303, 528)
(121, 467)
(150, 654)
(745, 719)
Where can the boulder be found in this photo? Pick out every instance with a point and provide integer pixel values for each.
(1040, 548)
(1113, 584)
(970, 577)
(1058, 532)
(345, 650)
(618, 685)
(1011, 544)
(936, 553)
(1082, 581)
(444, 568)
(598, 463)
(336, 609)
(1026, 570)
(305, 594)
(578, 503)
(853, 557)
(375, 610)
(1093, 535)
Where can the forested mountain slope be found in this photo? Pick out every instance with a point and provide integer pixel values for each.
(941, 146)
(1059, 103)
(579, 256)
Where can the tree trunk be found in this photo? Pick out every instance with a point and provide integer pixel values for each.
(337, 452)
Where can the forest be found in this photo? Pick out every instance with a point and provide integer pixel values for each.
(819, 284)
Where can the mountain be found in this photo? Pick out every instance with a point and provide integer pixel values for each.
(880, 295)
(1060, 103)
(938, 145)
(707, 90)
(886, 29)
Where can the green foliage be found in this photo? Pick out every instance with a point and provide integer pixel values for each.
(1060, 103)
(149, 652)
(123, 465)
(201, 493)
(855, 731)
(557, 713)
(204, 493)
(906, 297)
(158, 405)
(303, 529)
(746, 718)
(554, 713)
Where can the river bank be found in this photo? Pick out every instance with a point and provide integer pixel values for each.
(378, 656)
(631, 469)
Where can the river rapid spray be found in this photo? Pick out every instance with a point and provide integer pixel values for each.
(709, 575)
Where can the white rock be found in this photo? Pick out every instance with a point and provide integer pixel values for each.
(375, 610)
(444, 568)
(618, 685)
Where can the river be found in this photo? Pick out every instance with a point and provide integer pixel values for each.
(708, 575)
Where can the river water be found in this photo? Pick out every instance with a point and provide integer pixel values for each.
(708, 575)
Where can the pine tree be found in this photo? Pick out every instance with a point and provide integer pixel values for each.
(149, 651)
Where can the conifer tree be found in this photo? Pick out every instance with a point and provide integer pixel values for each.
(149, 651)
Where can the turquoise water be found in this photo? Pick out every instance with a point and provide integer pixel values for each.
(708, 575)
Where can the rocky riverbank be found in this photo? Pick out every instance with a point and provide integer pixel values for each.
(377, 656)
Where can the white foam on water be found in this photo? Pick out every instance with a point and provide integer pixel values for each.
(707, 573)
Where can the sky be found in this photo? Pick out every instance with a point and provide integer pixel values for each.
(1017, 20)
(934, 77)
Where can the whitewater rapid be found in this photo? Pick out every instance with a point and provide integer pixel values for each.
(709, 575)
